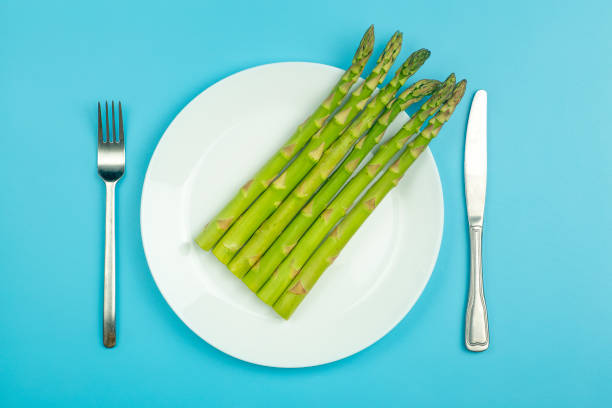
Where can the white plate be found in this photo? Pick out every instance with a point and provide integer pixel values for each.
(211, 148)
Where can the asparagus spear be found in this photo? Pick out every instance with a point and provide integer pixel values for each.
(331, 247)
(248, 222)
(215, 229)
(262, 270)
(272, 227)
(291, 265)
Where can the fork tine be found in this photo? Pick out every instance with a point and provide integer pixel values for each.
(100, 130)
(120, 124)
(113, 117)
(108, 139)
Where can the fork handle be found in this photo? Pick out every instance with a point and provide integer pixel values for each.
(108, 325)
(476, 321)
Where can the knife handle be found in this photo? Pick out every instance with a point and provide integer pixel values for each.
(476, 323)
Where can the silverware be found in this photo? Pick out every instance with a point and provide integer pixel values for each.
(476, 322)
(111, 165)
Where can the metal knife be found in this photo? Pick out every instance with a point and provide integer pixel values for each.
(475, 172)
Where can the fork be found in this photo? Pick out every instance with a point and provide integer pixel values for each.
(111, 165)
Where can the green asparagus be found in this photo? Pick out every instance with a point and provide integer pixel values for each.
(215, 229)
(248, 222)
(262, 270)
(331, 247)
(291, 265)
(272, 227)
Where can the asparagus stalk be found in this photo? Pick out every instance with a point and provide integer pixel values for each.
(262, 270)
(291, 265)
(215, 229)
(331, 247)
(272, 227)
(248, 222)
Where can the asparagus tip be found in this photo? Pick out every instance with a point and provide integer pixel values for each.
(459, 91)
(392, 48)
(414, 62)
(425, 87)
(366, 46)
(445, 111)
(443, 93)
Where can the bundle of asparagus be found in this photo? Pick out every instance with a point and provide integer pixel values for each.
(272, 234)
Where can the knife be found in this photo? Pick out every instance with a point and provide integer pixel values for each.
(475, 173)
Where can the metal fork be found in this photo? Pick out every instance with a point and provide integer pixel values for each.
(111, 165)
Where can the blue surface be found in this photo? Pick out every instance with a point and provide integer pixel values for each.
(546, 66)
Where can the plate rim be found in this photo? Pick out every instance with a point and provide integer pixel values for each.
(392, 322)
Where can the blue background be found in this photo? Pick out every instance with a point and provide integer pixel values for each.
(547, 68)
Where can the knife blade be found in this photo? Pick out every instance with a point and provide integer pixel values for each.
(475, 173)
(476, 159)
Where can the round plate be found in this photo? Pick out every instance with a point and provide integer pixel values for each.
(210, 149)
